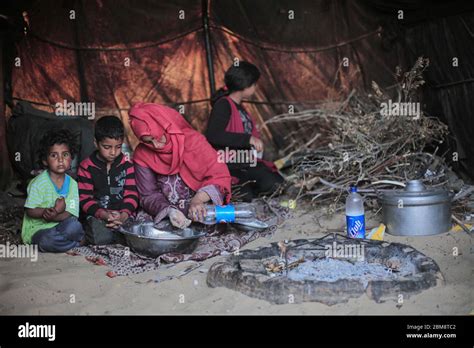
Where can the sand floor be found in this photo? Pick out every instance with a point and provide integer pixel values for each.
(63, 284)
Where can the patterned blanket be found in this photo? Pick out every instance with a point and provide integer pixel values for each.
(123, 261)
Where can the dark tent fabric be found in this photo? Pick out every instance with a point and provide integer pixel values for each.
(450, 89)
(302, 59)
(27, 126)
(117, 53)
(443, 32)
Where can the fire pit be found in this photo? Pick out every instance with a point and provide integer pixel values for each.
(330, 270)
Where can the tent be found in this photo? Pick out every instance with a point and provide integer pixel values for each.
(115, 53)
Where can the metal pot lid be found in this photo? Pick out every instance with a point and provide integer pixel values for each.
(415, 193)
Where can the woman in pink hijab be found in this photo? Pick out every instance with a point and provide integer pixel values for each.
(176, 169)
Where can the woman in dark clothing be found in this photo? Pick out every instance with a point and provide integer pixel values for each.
(232, 129)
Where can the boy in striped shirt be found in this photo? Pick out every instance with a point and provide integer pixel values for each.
(107, 189)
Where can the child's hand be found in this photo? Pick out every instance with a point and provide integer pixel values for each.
(114, 215)
(60, 205)
(257, 143)
(114, 219)
(104, 215)
(117, 219)
(113, 224)
(123, 217)
(49, 214)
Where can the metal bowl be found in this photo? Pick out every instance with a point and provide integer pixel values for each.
(148, 240)
(254, 225)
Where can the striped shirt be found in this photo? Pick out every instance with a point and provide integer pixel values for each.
(42, 193)
(101, 189)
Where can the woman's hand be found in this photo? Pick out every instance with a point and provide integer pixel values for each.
(178, 219)
(197, 210)
(257, 143)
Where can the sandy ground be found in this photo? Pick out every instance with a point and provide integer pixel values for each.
(63, 284)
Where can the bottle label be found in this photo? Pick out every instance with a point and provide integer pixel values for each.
(225, 213)
(355, 226)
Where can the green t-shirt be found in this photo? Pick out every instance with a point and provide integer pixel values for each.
(42, 194)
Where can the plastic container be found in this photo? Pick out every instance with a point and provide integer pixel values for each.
(231, 213)
(355, 216)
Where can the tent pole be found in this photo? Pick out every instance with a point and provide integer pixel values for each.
(6, 173)
(207, 41)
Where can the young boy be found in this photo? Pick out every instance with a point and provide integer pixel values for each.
(107, 189)
(52, 205)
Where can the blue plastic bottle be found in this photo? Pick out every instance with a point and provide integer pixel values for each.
(355, 217)
(229, 213)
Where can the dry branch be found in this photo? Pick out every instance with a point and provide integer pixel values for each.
(354, 142)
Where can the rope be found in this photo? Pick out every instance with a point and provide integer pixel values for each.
(320, 49)
(449, 84)
(213, 26)
(71, 47)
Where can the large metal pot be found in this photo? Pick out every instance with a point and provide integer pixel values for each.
(148, 240)
(416, 210)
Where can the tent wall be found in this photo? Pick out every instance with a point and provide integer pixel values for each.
(118, 52)
(443, 32)
(449, 42)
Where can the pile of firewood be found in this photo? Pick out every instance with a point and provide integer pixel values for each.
(366, 141)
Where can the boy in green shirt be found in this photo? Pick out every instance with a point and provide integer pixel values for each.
(52, 205)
